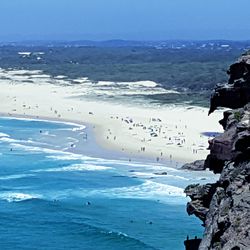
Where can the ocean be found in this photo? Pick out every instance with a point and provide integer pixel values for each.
(53, 198)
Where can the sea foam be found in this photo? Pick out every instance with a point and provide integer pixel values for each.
(16, 176)
(3, 135)
(75, 167)
(17, 197)
(147, 190)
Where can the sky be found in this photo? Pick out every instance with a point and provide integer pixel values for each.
(124, 19)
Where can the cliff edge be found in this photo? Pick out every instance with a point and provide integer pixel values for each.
(224, 206)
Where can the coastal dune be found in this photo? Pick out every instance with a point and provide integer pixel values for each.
(159, 133)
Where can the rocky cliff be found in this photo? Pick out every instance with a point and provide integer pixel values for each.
(224, 207)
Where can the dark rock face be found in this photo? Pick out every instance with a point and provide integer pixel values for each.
(224, 207)
(227, 223)
(239, 70)
(233, 143)
(236, 93)
(195, 166)
(201, 196)
(230, 96)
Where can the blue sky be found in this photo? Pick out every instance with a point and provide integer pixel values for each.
(124, 19)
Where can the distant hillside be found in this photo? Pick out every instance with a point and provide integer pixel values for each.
(207, 44)
(191, 67)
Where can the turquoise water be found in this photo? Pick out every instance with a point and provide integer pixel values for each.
(53, 199)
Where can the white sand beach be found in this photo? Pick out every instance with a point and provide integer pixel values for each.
(157, 132)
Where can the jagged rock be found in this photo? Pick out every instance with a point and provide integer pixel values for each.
(230, 96)
(239, 70)
(201, 196)
(214, 164)
(230, 145)
(231, 118)
(224, 207)
(195, 166)
(227, 223)
(236, 93)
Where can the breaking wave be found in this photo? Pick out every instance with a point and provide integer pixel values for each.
(74, 168)
(17, 197)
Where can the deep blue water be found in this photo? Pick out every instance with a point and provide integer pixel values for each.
(51, 199)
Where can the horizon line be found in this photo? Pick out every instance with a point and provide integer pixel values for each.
(124, 40)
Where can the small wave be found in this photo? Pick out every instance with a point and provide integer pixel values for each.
(147, 166)
(116, 233)
(148, 190)
(54, 154)
(154, 188)
(142, 174)
(80, 127)
(47, 133)
(68, 156)
(97, 231)
(36, 149)
(29, 141)
(3, 135)
(147, 84)
(74, 129)
(8, 139)
(177, 177)
(74, 168)
(124, 236)
(161, 168)
(81, 80)
(157, 175)
(73, 124)
(72, 139)
(17, 197)
(16, 176)
(28, 148)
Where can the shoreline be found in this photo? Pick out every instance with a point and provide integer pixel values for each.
(144, 168)
(95, 150)
(159, 134)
